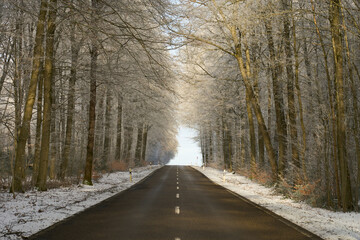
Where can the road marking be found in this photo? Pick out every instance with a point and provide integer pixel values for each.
(177, 187)
(177, 183)
(177, 195)
(177, 239)
(177, 210)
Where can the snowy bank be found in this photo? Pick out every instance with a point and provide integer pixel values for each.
(33, 211)
(322, 222)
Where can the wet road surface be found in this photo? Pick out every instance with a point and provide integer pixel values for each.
(175, 203)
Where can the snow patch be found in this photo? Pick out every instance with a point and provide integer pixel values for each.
(33, 211)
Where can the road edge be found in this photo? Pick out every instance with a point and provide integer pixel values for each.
(304, 231)
(35, 235)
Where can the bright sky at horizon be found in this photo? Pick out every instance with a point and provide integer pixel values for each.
(189, 152)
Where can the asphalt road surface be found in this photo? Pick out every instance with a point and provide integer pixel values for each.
(175, 203)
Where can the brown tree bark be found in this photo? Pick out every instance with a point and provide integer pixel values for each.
(38, 127)
(107, 131)
(336, 36)
(54, 132)
(128, 138)
(144, 142)
(138, 147)
(252, 136)
(87, 180)
(25, 128)
(119, 130)
(48, 77)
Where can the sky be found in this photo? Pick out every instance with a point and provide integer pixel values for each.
(189, 152)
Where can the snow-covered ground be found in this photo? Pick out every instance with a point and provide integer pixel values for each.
(33, 211)
(324, 223)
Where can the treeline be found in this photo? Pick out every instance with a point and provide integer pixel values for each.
(274, 88)
(86, 85)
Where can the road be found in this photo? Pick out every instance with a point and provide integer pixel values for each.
(177, 203)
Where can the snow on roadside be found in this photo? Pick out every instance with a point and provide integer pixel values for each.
(33, 211)
(324, 223)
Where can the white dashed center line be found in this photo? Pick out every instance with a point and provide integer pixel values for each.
(177, 187)
(177, 195)
(177, 210)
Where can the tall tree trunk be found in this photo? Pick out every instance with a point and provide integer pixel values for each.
(334, 14)
(119, 129)
(54, 133)
(281, 131)
(144, 142)
(100, 126)
(211, 151)
(128, 142)
(17, 83)
(38, 127)
(138, 149)
(48, 76)
(252, 136)
(92, 113)
(75, 48)
(290, 91)
(25, 128)
(107, 131)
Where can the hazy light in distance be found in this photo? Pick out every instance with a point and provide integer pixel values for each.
(189, 152)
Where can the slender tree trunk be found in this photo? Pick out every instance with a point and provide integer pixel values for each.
(139, 140)
(119, 129)
(202, 145)
(17, 85)
(211, 152)
(48, 76)
(25, 128)
(38, 127)
(54, 133)
(356, 111)
(227, 145)
(334, 13)
(107, 130)
(128, 142)
(92, 113)
(144, 142)
(100, 125)
(326, 166)
(75, 48)
(252, 136)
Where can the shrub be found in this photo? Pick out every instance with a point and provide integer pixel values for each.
(118, 166)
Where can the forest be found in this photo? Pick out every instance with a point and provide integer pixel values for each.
(271, 86)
